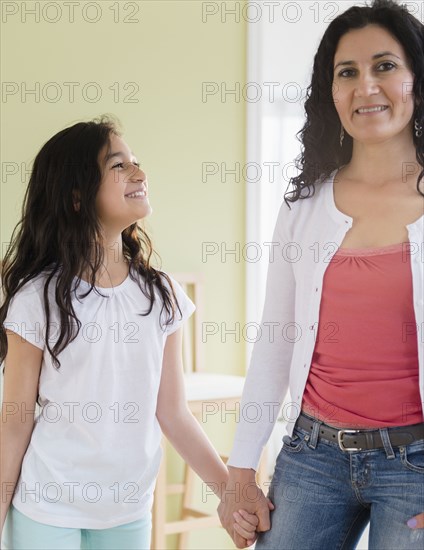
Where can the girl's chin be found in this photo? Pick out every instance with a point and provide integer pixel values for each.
(146, 213)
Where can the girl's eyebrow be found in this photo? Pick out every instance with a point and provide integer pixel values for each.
(116, 154)
(375, 56)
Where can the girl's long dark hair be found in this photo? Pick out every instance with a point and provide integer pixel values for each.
(321, 151)
(52, 237)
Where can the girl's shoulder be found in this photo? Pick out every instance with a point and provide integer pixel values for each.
(35, 284)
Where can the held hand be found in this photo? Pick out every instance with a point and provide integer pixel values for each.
(239, 496)
(417, 522)
(246, 524)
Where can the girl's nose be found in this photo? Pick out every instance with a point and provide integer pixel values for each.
(136, 173)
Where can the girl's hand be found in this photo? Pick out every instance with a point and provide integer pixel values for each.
(246, 524)
(417, 522)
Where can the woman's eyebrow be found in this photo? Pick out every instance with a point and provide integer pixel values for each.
(375, 56)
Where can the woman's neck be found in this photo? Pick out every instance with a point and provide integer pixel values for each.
(384, 163)
(381, 164)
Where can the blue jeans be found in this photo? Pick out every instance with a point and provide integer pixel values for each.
(22, 533)
(324, 497)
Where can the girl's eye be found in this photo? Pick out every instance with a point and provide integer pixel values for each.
(121, 164)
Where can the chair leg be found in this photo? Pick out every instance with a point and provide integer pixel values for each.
(189, 481)
(159, 507)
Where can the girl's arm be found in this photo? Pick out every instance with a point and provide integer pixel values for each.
(184, 431)
(178, 423)
(21, 376)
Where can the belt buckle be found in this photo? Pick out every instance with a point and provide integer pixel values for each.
(340, 435)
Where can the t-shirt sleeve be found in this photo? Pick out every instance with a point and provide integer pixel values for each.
(25, 315)
(186, 306)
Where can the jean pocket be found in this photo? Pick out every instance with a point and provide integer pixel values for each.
(412, 456)
(295, 443)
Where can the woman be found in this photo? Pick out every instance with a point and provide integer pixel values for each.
(345, 298)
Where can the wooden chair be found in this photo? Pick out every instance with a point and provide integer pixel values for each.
(201, 388)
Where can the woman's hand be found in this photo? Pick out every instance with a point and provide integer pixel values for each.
(417, 522)
(246, 524)
(242, 493)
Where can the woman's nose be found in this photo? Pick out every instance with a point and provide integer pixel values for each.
(366, 85)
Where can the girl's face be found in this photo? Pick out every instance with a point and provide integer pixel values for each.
(117, 206)
(372, 73)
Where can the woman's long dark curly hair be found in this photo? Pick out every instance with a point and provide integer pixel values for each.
(52, 237)
(321, 151)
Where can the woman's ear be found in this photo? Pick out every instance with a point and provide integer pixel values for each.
(76, 197)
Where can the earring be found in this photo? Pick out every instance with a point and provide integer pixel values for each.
(418, 128)
(341, 136)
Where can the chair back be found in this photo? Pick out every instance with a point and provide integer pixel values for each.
(192, 284)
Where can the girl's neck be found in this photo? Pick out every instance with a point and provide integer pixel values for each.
(115, 266)
(113, 259)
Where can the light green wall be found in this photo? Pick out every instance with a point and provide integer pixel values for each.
(169, 53)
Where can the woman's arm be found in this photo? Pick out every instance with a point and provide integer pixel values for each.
(267, 379)
(21, 376)
(184, 431)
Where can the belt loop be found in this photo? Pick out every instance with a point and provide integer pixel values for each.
(386, 442)
(314, 434)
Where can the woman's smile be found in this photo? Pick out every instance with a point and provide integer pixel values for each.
(371, 110)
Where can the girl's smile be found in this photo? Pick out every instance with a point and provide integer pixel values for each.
(122, 198)
(141, 194)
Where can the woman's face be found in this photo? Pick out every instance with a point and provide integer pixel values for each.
(117, 207)
(371, 71)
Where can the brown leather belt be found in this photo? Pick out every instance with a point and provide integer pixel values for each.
(361, 440)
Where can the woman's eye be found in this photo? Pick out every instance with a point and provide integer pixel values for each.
(386, 64)
(344, 74)
(119, 165)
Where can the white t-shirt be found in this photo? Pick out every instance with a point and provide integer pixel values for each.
(95, 449)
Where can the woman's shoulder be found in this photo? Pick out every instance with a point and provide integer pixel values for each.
(309, 196)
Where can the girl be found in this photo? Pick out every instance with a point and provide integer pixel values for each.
(92, 331)
(351, 290)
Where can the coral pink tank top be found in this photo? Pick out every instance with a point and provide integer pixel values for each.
(364, 369)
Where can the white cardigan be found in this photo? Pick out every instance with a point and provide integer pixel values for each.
(308, 236)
